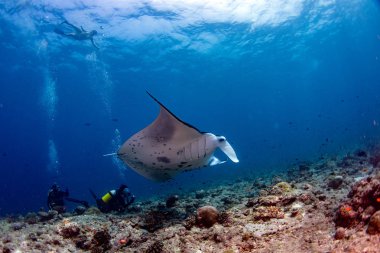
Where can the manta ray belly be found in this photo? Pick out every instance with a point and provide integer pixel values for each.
(160, 158)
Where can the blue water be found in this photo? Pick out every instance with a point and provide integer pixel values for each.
(284, 81)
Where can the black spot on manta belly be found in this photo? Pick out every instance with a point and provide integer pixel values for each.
(163, 159)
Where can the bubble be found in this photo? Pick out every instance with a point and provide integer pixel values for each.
(53, 165)
(100, 80)
(116, 144)
(49, 96)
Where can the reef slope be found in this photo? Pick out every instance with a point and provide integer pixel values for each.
(330, 205)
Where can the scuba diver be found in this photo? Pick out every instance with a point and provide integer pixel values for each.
(56, 199)
(114, 200)
(71, 31)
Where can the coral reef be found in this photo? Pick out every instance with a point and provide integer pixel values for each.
(363, 202)
(328, 205)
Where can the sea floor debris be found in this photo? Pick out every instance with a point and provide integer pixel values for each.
(330, 205)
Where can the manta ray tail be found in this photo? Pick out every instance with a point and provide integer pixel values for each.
(110, 154)
(228, 150)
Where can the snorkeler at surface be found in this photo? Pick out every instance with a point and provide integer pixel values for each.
(71, 31)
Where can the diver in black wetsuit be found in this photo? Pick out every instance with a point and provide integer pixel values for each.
(56, 199)
(115, 200)
(76, 33)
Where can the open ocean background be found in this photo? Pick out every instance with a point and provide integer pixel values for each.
(284, 80)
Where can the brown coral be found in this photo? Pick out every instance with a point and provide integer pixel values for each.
(365, 193)
(346, 216)
(81, 242)
(340, 233)
(101, 238)
(70, 231)
(224, 218)
(190, 222)
(207, 216)
(374, 224)
(153, 221)
(363, 203)
(171, 200)
(156, 247)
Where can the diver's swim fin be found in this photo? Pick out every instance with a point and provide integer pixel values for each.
(93, 194)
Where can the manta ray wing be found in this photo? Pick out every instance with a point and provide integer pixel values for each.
(169, 127)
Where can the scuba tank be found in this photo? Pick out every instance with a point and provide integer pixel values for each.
(108, 196)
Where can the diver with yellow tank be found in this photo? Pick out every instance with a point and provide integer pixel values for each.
(114, 200)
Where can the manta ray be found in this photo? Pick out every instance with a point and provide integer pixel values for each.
(169, 146)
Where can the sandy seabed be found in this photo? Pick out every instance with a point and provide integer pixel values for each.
(330, 205)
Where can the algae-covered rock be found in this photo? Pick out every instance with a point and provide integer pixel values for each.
(155, 247)
(171, 200)
(200, 194)
(45, 216)
(282, 187)
(340, 233)
(374, 224)
(92, 211)
(270, 200)
(335, 182)
(268, 212)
